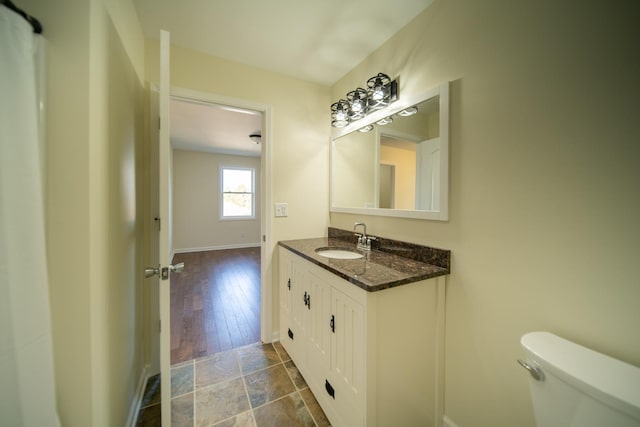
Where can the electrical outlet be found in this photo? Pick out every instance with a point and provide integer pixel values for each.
(282, 209)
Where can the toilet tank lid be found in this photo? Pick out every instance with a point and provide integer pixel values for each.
(605, 378)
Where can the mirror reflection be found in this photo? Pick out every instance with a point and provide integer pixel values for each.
(392, 169)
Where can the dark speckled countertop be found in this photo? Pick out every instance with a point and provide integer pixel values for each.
(391, 263)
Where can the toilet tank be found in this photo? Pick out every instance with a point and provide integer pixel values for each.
(579, 387)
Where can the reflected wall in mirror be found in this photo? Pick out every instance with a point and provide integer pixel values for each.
(399, 169)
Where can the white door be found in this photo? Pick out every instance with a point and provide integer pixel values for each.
(428, 175)
(160, 243)
(164, 183)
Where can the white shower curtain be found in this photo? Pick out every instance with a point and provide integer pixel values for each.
(27, 389)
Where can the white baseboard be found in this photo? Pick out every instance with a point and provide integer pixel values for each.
(138, 397)
(448, 423)
(216, 248)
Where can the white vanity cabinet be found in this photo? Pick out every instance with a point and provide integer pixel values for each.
(370, 358)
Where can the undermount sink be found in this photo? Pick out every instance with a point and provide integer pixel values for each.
(338, 253)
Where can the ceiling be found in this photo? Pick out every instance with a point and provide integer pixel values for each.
(317, 41)
(198, 126)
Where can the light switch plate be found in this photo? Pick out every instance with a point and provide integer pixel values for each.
(282, 209)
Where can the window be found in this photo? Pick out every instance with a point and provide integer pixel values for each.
(237, 196)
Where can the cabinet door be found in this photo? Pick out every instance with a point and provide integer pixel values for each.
(317, 323)
(297, 324)
(284, 287)
(291, 304)
(348, 356)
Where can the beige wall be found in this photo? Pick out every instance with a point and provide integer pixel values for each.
(544, 199)
(196, 214)
(299, 135)
(94, 232)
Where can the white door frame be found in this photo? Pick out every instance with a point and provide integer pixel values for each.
(266, 255)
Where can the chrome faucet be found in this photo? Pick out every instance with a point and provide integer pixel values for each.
(364, 241)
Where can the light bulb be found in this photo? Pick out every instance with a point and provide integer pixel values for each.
(378, 90)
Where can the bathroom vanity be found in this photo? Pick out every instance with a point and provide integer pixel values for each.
(366, 333)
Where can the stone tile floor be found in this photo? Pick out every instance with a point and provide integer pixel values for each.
(252, 386)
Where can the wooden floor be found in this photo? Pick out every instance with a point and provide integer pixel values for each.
(215, 302)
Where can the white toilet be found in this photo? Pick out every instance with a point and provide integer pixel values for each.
(573, 386)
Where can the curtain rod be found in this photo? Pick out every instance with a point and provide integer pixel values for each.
(37, 27)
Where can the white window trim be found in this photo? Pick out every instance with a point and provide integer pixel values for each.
(221, 216)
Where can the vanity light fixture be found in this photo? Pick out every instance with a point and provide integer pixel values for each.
(367, 128)
(340, 114)
(379, 93)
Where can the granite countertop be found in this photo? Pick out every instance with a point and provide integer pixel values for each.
(391, 263)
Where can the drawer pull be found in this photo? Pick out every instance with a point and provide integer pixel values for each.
(332, 323)
(307, 300)
(330, 389)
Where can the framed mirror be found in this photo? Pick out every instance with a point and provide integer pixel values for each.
(400, 169)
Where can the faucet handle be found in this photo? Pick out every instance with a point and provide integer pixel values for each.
(368, 241)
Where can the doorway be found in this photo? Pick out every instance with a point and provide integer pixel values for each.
(218, 302)
(158, 222)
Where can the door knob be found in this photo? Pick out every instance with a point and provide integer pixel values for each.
(150, 272)
(177, 268)
(156, 271)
